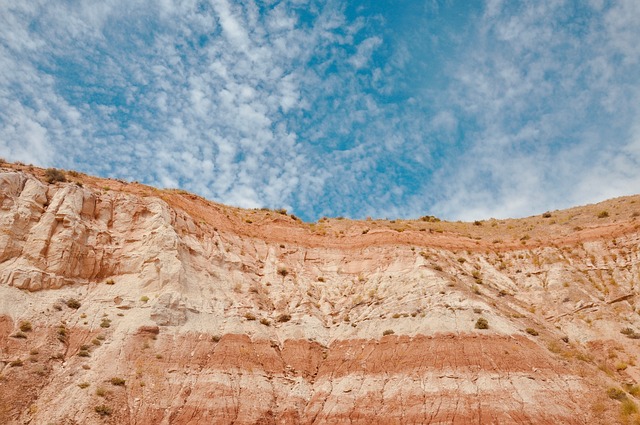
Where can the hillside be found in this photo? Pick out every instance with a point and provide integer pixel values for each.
(125, 304)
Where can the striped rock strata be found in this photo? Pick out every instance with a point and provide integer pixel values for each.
(135, 305)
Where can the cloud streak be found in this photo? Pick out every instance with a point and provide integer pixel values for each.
(329, 110)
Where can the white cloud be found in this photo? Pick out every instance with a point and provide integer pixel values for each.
(364, 51)
(292, 103)
(552, 104)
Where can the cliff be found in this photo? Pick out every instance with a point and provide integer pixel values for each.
(125, 304)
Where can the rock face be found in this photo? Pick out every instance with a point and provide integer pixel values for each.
(124, 304)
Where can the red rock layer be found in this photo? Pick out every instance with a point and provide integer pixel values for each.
(194, 379)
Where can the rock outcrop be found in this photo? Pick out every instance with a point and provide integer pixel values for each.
(121, 303)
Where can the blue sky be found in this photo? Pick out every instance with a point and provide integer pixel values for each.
(460, 109)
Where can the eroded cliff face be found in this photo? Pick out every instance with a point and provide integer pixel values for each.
(121, 303)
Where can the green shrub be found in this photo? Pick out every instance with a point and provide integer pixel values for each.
(482, 323)
(53, 175)
(144, 298)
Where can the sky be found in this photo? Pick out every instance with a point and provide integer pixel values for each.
(463, 109)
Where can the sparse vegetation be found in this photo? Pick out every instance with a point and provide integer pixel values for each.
(83, 385)
(215, 338)
(282, 271)
(477, 277)
(110, 282)
(284, 318)
(16, 363)
(616, 394)
(62, 333)
(603, 214)
(103, 410)
(630, 333)
(250, 316)
(634, 390)
(628, 407)
(620, 366)
(482, 323)
(388, 332)
(144, 298)
(265, 322)
(117, 381)
(430, 219)
(546, 215)
(25, 326)
(19, 335)
(53, 175)
(73, 303)
(532, 331)
(105, 323)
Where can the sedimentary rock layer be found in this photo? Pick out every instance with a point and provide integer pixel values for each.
(121, 303)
